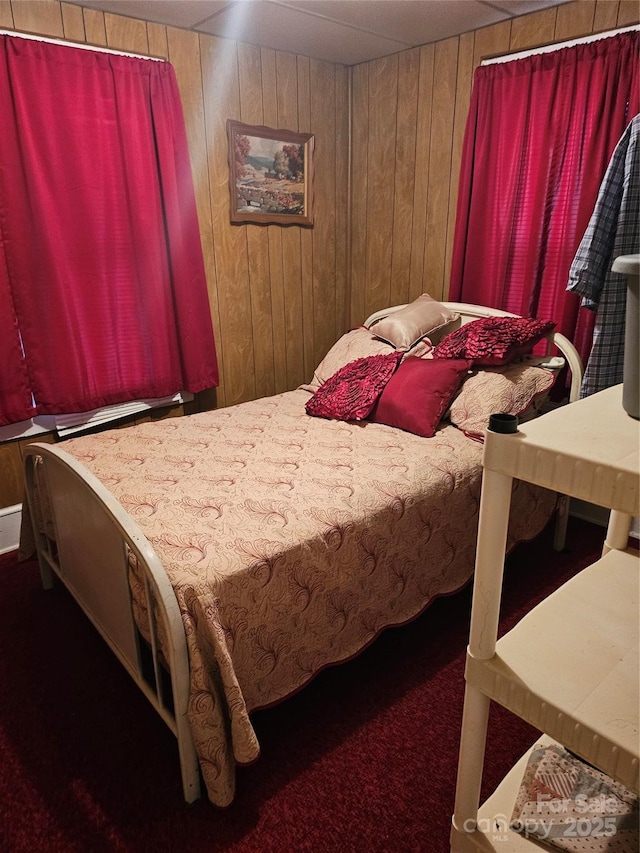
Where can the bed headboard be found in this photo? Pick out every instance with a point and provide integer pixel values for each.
(467, 311)
(470, 312)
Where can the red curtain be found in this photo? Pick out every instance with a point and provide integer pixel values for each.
(539, 136)
(103, 295)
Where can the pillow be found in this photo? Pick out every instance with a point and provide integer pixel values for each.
(419, 393)
(493, 340)
(509, 390)
(351, 393)
(358, 343)
(424, 316)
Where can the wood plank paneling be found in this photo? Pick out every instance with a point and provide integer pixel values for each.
(251, 112)
(323, 125)
(463, 98)
(158, 46)
(287, 117)
(94, 27)
(575, 19)
(445, 72)
(359, 191)
(221, 102)
(11, 468)
(405, 157)
(72, 22)
(6, 15)
(126, 34)
(491, 41)
(421, 174)
(383, 76)
(11, 479)
(533, 30)
(307, 245)
(43, 17)
(275, 281)
(182, 49)
(628, 13)
(341, 182)
(605, 16)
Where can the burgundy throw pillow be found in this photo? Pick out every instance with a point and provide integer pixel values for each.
(419, 393)
(351, 393)
(493, 340)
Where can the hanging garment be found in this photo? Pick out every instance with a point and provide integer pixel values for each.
(613, 230)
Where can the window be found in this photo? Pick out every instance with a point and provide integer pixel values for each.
(103, 296)
(539, 136)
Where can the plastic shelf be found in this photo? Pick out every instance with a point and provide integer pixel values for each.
(570, 666)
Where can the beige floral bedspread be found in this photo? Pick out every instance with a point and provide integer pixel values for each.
(291, 542)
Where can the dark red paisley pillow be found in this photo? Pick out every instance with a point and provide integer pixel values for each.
(493, 340)
(351, 393)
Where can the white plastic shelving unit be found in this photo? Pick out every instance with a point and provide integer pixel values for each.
(570, 666)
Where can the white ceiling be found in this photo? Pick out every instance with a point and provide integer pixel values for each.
(341, 31)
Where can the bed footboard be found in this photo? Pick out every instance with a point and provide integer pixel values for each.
(84, 537)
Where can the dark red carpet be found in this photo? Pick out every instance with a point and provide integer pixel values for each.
(362, 760)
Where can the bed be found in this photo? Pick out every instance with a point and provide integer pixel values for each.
(229, 556)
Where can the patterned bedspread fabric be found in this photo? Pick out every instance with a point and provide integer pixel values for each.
(291, 542)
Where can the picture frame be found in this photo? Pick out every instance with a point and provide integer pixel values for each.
(270, 175)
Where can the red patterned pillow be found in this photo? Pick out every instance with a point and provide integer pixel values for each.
(351, 393)
(419, 393)
(493, 340)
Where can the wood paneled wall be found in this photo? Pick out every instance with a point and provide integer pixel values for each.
(388, 138)
(409, 114)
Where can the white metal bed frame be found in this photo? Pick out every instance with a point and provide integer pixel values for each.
(90, 549)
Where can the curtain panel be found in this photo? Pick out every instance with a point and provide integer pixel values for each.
(103, 295)
(539, 136)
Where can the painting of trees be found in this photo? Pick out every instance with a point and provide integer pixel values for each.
(269, 175)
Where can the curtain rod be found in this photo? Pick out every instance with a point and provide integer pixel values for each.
(82, 45)
(549, 48)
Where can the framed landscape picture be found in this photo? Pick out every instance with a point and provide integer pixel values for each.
(270, 175)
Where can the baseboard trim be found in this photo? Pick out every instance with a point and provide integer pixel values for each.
(598, 515)
(589, 512)
(10, 518)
